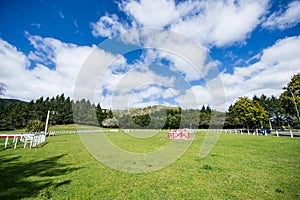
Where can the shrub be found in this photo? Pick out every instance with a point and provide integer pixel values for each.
(35, 126)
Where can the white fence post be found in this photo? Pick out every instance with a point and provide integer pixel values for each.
(6, 142)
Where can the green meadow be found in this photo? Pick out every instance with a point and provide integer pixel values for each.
(239, 167)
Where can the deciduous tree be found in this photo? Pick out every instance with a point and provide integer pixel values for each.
(286, 98)
(248, 113)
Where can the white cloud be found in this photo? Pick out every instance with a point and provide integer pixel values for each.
(170, 93)
(10, 56)
(274, 69)
(13, 64)
(132, 87)
(185, 55)
(211, 93)
(180, 64)
(217, 23)
(284, 50)
(194, 97)
(107, 26)
(138, 98)
(220, 23)
(284, 19)
(154, 13)
(49, 70)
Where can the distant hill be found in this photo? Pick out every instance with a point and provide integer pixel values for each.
(152, 109)
(11, 102)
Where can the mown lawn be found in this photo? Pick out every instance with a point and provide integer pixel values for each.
(239, 167)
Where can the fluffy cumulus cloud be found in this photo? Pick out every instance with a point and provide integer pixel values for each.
(284, 19)
(275, 67)
(218, 23)
(190, 67)
(195, 97)
(15, 64)
(49, 70)
(154, 13)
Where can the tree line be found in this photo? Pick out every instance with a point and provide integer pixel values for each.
(16, 114)
(246, 112)
(266, 111)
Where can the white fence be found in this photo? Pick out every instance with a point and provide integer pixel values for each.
(33, 139)
(291, 132)
(65, 132)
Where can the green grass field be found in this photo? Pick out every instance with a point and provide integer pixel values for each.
(239, 167)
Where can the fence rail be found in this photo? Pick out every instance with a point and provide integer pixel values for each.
(292, 133)
(33, 139)
(65, 132)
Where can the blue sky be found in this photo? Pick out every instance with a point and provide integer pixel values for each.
(242, 48)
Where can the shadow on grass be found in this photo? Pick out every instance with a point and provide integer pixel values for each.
(21, 179)
(10, 145)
